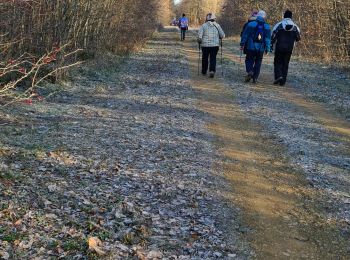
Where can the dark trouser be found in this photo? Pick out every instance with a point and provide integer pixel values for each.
(209, 53)
(281, 63)
(253, 62)
(183, 34)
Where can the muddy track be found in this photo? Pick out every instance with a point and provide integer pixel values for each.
(280, 208)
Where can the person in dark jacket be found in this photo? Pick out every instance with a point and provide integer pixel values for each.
(257, 38)
(284, 35)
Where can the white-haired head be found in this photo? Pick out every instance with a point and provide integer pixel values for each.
(262, 14)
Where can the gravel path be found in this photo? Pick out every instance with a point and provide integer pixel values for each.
(310, 118)
(119, 157)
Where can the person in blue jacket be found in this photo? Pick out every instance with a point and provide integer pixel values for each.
(251, 19)
(183, 25)
(257, 39)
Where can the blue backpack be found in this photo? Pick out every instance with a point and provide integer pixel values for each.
(183, 22)
(259, 36)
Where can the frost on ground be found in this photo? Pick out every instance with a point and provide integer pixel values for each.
(117, 164)
(320, 151)
(325, 84)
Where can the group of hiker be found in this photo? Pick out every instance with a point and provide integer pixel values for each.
(257, 39)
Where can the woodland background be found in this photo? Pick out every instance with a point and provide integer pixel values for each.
(38, 39)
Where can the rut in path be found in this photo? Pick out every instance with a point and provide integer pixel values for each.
(280, 207)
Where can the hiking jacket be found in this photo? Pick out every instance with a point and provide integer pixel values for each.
(210, 33)
(249, 35)
(285, 34)
(251, 19)
(183, 23)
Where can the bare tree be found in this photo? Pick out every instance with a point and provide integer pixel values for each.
(196, 10)
(38, 27)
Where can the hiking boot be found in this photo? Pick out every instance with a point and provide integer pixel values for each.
(211, 74)
(278, 81)
(204, 73)
(282, 83)
(255, 80)
(248, 77)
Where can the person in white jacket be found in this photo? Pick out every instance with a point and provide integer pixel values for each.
(209, 37)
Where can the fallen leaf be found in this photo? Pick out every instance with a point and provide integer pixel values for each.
(94, 245)
(154, 254)
(52, 188)
(4, 255)
(26, 244)
(140, 255)
(18, 222)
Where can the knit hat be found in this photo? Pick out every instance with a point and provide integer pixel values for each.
(254, 12)
(262, 14)
(211, 16)
(288, 14)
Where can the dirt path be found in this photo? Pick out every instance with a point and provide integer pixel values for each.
(159, 163)
(279, 206)
(316, 134)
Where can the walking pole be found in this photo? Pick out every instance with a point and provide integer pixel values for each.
(222, 68)
(199, 55)
(240, 59)
(267, 59)
(240, 56)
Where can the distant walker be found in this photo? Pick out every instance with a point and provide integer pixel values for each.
(183, 25)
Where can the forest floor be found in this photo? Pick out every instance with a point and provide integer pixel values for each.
(140, 158)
